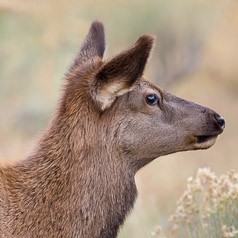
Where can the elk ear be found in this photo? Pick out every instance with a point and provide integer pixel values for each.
(119, 75)
(93, 46)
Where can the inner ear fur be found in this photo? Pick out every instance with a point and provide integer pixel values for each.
(119, 75)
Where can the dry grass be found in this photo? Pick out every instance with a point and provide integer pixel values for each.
(208, 208)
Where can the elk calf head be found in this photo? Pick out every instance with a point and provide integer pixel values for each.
(145, 121)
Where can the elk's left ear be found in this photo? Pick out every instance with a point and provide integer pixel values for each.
(119, 75)
(93, 45)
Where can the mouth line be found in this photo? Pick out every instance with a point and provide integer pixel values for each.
(205, 138)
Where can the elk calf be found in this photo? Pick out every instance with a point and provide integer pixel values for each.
(110, 122)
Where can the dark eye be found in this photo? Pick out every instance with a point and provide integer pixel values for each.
(152, 99)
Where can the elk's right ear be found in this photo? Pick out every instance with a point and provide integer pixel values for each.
(119, 75)
(93, 46)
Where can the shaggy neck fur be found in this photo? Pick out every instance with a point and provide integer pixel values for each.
(77, 186)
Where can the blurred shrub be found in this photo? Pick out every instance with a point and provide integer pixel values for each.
(207, 209)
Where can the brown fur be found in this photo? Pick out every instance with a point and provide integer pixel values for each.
(79, 181)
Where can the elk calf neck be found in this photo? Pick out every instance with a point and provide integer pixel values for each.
(110, 122)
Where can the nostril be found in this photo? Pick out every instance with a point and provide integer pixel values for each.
(220, 121)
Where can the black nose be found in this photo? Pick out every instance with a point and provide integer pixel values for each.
(220, 121)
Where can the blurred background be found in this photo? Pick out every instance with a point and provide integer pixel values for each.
(196, 57)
